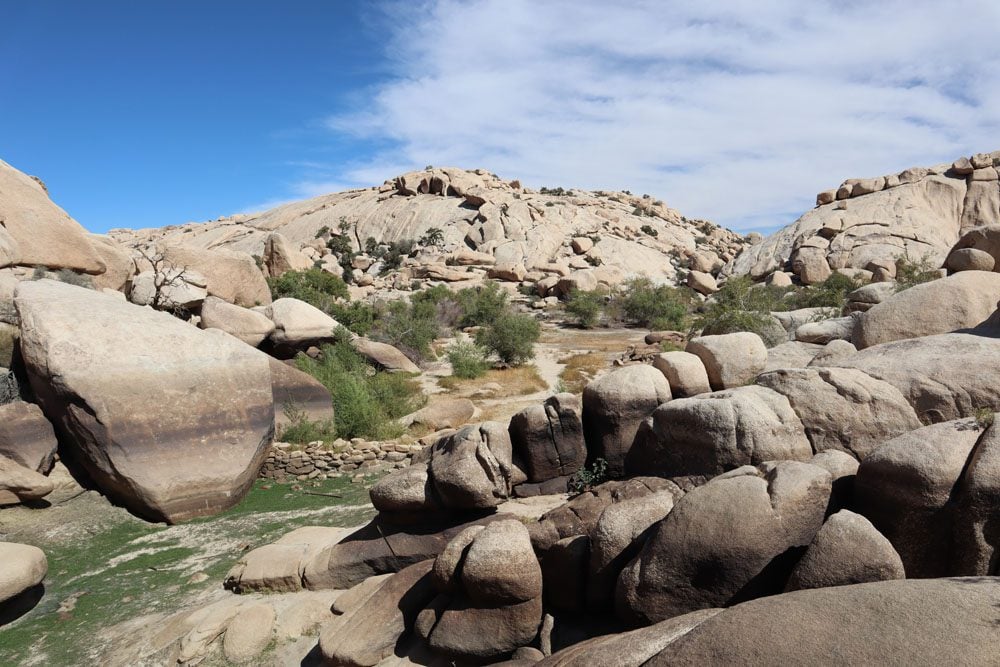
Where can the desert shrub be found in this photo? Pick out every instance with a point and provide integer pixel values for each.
(585, 307)
(411, 327)
(356, 316)
(643, 303)
(314, 286)
(73, 278)
(432, 237)
(740, 305)
(394, 254)
(648, 229)
(587, 478)
(910, 273)
(301, 430)
(511, 337)
(366, 402)
(10, 389)
(984, 417)
(468, 360)
(483, 305)
(831, 293)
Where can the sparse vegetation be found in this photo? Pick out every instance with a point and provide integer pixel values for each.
(301, 430)
(432, 237)
(643, 303)
(984, 417)
(468, 360)
(648, 230)
(366, 402)
(580, 369)
(587, 478)
(910, 273)
(482, 306)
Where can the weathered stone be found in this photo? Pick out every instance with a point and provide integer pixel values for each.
(726, 541)
(280, 257)
(248, 325)
(249, 633)
(297, 395)
(18, 483)
(232, 275)
(26, 436)
(441, 414)
(962, 300)
(703, 283)
(821, 333)
(969, 259)
(192, 451)
(118, 264)
(500, 566)
(468, 631)
(614, 405)
(384, 356)
(548, 438)
(713, 433)
(24, 567)
(406, 490)
(471, 469)
(298, 325)
(731, 360)
(843, 408)
(685, 373)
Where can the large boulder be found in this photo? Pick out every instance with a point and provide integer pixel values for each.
(191, 447)
(26, 436)
(36, 232)
(906, 488)
(248, 325)
(368, 633)
(119, 265)
(298, 325)
(943, 377)
(843, 408)
(297, 395)
(731, 360)
(712, 433)
(442, 414)
(685, 373)
(383, 355)
(976, 543)
(491, 593)
(930, 622)
(960, 301)
(732, 539)
(169, 289)
(280, 257)
(232, 275)
(471, 468)
(24, 567)
(846, 550)
(548, 438)
(984, 238)
(614, 405)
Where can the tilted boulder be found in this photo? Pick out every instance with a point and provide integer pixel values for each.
(191, 447)
(36, 232)
(943, 377)
(984, 238)
(906, 489)
(846, 550)
(731, 360)
(26, 436)
(712, 433)
(916, 622)
(249, 326)
(843, 408)
(298, 325)
(614, 405)
(732, 539)
(368, 634)
(548, 438)
(960, 301)
(441, 414)
(168, 289)
(383, 355)
(232, 275)
(969, 259)
(793, 354)
(119, 267)
(280, 257)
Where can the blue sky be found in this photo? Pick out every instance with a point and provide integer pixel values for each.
(152, 113)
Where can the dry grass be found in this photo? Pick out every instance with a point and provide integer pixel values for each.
(580, 369)
(517, 381)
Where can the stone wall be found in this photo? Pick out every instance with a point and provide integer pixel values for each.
(287, 462)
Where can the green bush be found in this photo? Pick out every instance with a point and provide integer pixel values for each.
(511, 337)
(366, 402)
(910, 273)
(831, 293)
(643, 303)
(468, 360)
(585, 307)
(587, 478)
(411, 327)
(483, 305)
(397, 250)
(314, 286)
(356, 316)
(740, 305)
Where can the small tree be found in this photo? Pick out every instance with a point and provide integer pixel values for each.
(511, 337)
(432, 237)
(166, 276)
(585, 307)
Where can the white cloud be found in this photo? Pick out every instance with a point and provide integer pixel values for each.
(734, 111)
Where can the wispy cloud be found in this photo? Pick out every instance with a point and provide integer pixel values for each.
(736, 111)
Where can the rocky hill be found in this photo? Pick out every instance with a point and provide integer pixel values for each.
(866, 223)
(488, 227)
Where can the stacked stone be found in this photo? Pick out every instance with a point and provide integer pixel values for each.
(315, 461)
